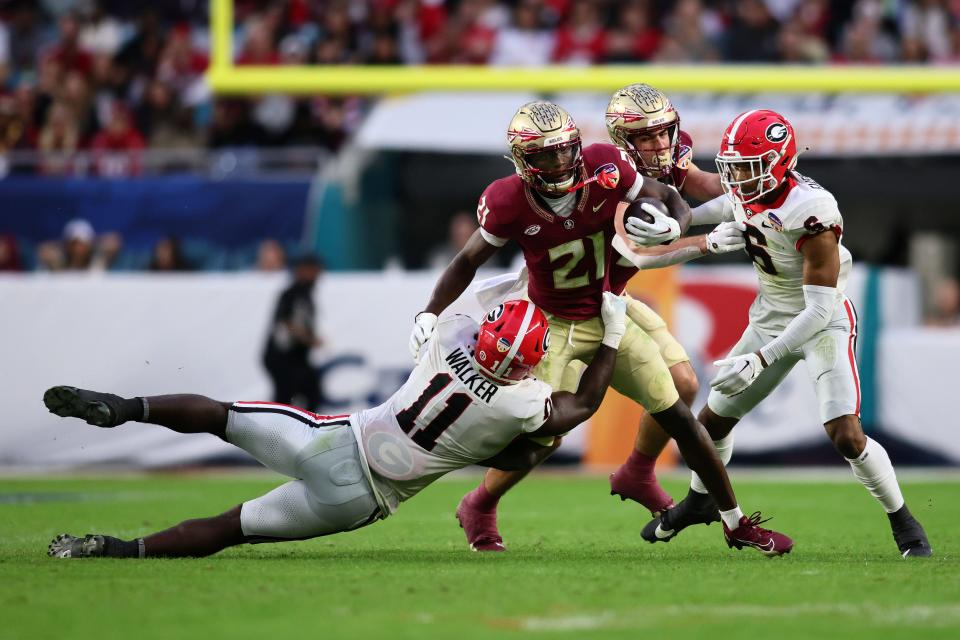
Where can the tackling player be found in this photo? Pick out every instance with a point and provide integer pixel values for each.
(560, 207)
(470, 400)
(793, 234)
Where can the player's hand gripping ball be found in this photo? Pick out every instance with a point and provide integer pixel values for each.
(646, 223)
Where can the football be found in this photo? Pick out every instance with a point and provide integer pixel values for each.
(633, 210)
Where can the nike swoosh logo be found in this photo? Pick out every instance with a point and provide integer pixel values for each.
(766, 226)
(596, 208)
(661, 533)
(765, 548)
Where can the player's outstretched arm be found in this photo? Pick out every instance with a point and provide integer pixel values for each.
(460, 272)
(821, 269)
(726, 237)
(570, 409)
(520, 455)
(453, 281)
(719, 209)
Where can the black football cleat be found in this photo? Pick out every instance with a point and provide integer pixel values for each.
(98, 409)
(68, 546)
(909, 535)
(696, 508)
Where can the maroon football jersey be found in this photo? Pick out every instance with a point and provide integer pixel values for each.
(682, 157)
(570, 260)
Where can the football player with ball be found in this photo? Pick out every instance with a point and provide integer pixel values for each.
(560, 206)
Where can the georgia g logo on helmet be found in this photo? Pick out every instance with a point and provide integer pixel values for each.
(776, 132)
(495, 314)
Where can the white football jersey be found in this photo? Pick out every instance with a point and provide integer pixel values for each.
(774, 237)
(446, 416)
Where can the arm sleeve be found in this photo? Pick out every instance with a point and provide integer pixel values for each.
(643, 261)
(715, 211)
(634, 191)
(630, 178)
(494, 220)
(820, 304)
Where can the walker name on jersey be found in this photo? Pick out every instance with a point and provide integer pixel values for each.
(459, 363)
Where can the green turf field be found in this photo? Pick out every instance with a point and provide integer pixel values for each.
(576, 568)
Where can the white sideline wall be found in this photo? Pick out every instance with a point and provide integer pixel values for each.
(153, 334)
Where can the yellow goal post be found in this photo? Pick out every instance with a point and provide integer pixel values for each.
(226, 78)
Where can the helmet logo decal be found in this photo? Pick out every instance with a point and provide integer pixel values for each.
(626, 116)
(645, 96)
(776, 132)
(525, 135)
(545, 115)
(546, 340)
(481, 355)
(532, 230)
(568, 224)
(608, 176)
(503, 345)
(495, 314)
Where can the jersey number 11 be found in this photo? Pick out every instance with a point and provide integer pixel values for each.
(457, 403)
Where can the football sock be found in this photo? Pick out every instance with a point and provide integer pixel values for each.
(117, 548)
(483, 499)
(724, 448)
(875, 472)
(641, 464)
(901, 516)
(131, 410)
(732, 517)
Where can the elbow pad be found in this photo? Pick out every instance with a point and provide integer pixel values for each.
(820, 304)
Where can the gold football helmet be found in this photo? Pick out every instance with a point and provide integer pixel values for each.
(639, 109)
(545, 147)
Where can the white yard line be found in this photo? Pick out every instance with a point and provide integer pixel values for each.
(929, 615)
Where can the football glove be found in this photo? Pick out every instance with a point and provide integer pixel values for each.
(423, 327)
(613, 311)
(736, 373)
(727, 237)
(662, 230)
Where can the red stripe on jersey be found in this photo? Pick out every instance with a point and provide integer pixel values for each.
(311, 414)
(836, 229)
(853, 360)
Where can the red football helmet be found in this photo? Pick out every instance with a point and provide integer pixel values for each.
(758, 149)
(512, 339)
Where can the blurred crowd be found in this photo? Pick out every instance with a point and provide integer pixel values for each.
(80, 248)
(112, 78)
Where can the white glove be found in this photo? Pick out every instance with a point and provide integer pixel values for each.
(662, 230)
(423, 327)
(613, 311)
(727, 237)
(736, 373)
